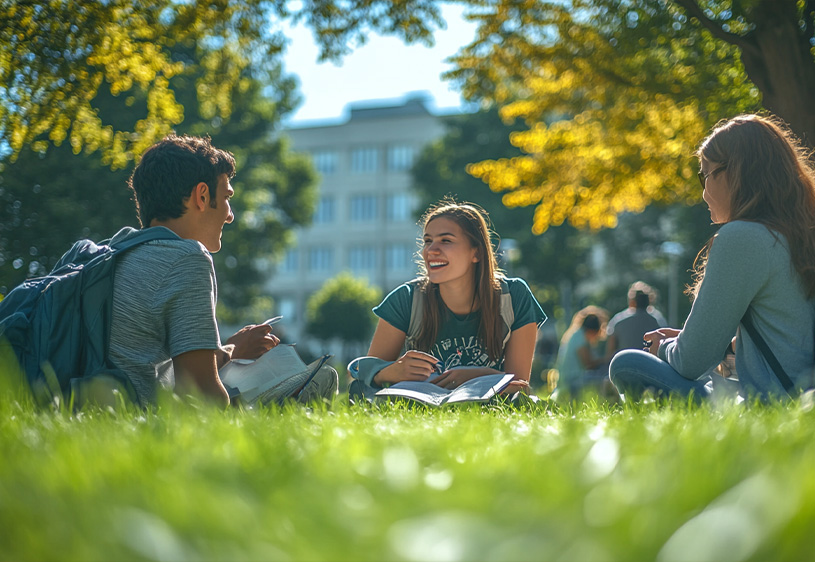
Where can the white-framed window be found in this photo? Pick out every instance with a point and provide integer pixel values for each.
(364, 208)
(325, 161)
(399, 207)
(291, 262)
(325, 210)
(364, 159)
(399, 257)
(400, 158)
(362, 258)
(320, 258)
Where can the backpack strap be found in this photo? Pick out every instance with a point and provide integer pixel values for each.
(768, 354)
(138, 237)
(416, 316)
(507, 312)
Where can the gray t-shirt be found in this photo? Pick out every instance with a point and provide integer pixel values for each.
(163, 305)
(630, 325)
(748, 267)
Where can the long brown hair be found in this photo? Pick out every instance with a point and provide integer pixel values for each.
(771, 181)
(473, 221)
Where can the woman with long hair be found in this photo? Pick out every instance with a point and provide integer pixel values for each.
(461, 318)
(582, 360)
(755, 279)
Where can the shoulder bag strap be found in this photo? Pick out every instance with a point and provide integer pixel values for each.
(785, 381)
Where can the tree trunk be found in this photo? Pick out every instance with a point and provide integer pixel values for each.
(777, 57)
(781, 65)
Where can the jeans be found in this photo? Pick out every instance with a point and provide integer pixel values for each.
(633, 371)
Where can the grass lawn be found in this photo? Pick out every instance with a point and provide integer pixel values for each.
(593, 482)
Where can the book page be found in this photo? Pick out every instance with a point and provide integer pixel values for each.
(424, 392)
(480, 389)
(277, 364)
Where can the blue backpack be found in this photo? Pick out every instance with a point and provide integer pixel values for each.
(58, 326)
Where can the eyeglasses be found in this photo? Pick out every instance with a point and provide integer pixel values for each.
(703, 177)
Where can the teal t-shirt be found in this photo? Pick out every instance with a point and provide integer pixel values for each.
(457, 343)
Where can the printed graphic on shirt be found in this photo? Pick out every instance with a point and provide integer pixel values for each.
(457, 352)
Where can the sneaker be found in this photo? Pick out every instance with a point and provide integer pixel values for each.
(324, 385)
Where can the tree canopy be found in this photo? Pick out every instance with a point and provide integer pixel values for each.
(59, 55)
(49, 199)
(616, 94)
(558, 264)
(341, 309)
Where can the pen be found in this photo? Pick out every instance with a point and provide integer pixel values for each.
(274, 320)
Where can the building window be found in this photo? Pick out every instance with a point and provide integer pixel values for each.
(362, 258)
(400, 158)
(320, 259)
(292, 261)
(399, 207)
(363, 208)
(325, 162)
(399, 257)
(325, 210)
(287, 308)
(364, 160)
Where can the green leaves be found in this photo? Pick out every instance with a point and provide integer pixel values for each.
(342, 309)
(57, 56)
(615, 95)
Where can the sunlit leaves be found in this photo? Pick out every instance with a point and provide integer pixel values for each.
(57, 56)
(616, 95)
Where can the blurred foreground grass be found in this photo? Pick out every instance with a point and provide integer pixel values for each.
(595, 482)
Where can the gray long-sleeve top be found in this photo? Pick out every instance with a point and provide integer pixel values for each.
(748, 266)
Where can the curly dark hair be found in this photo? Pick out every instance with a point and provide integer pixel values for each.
(168, 170)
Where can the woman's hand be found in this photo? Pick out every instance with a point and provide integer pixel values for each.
(412, 366)
(656, 338)
(457, 376)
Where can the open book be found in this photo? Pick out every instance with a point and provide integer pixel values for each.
(479, 389)
(277, 374)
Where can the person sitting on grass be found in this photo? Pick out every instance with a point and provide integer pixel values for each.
(463, 303)
(626, 328)
(163, 329)
(582, 361)
(754, 278)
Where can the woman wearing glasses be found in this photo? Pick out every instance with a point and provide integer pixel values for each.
(755, 279)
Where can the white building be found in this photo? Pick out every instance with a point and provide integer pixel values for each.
(365, 220)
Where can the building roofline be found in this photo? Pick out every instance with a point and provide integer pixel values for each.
(409, 105)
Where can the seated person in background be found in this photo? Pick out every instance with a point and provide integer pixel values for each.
(582, 361)
(754, 278)
(163, 327)
(626, 328)
(473, 320)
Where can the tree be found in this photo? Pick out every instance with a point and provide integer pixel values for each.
(58, 55)
(341, 310)
(557, 264)
(616, 94)
(441, 170)
(48, 199)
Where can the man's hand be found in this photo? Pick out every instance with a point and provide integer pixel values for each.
(253, 341)
(412, 366)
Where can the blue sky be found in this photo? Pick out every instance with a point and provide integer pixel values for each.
(383, 68)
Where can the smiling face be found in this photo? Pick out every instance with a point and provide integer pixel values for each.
(447, 252)
(717, 192)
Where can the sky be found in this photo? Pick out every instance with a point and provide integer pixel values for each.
(382, 69)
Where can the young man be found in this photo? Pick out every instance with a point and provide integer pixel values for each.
(626, 328)
(163, 329)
